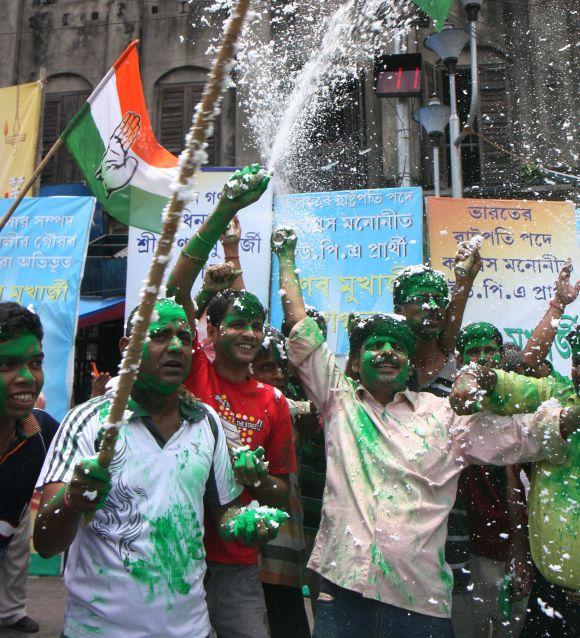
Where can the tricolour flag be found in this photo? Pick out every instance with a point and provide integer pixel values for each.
(437, 10)
(111, 139)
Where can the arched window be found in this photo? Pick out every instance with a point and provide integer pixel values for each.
(65, 95)
(177, 94)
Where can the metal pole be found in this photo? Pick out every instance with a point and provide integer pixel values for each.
(436, 180)
(474, 83)
(455, 151)
(403, 130)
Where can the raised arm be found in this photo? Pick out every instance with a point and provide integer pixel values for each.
(463, 286)
(217, 277)
(539, 344)
(284, 246)
(230, 241)
(250, 183)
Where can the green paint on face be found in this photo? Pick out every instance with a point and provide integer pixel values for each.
(488, 350)
(20, 351)
(377, 346)
(168, 314)
(175, 554)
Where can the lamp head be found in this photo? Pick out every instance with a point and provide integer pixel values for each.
(448, 44)
(433, 118)
(472, 8)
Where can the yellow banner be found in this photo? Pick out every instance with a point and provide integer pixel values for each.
(19, 119)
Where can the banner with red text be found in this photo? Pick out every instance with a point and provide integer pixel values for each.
(525, 245)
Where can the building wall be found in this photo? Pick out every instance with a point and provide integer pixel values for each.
(78, 40)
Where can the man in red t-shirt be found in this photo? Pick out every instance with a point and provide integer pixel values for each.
(255, 416)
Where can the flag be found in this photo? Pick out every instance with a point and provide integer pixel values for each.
(437, 10)
(20, 108)
(111, 139)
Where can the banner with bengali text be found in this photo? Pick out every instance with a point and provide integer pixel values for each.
(42, 256)
(254, 248)
(525, 245)
(20, 108)
(351, 244)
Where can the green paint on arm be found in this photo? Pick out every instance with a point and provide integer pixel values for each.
(175, 553)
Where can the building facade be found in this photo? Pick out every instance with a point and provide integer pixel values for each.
(528, 100)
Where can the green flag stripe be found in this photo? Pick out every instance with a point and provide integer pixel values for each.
(130, 205)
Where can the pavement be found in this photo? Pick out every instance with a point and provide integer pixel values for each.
(46, 603)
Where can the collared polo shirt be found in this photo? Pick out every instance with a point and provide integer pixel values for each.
(137, 569)
(19, 469)
(392, 477)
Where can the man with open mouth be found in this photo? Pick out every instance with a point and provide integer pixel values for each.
(25, 435)
(394, 457)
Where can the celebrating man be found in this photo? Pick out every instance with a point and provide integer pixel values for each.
(394, 458)
(137, 568)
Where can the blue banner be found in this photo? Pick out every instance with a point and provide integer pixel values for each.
(42, 257)
(351, 244)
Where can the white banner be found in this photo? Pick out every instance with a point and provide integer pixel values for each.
(256, 223)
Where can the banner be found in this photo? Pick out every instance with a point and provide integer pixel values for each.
(20, 120)
(256, 223)
(351, 244)
(42, 256)
(525, 245)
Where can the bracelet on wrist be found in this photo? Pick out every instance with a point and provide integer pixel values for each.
(199, 260)
(557, 305)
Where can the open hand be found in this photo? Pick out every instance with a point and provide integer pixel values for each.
(255, 526)
(117, 167)
(566, 292)
(283, 240)
(249, 466)
(89, 487)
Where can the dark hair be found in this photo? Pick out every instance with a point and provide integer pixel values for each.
(361, 327)
(273, 338)
(310, 312)
(16, 319)
(477, 330)
(221, 303)
(129, 324)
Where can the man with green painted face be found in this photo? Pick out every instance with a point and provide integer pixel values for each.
(25, 434)
(394, 458)
(254, 416)
(137, 568)
(494, 498)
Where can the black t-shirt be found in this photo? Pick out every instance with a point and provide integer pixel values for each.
(18, 473)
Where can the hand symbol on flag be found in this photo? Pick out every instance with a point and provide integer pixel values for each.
(117, 167)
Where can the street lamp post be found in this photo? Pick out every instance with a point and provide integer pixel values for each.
(448, 44)
(434, 118)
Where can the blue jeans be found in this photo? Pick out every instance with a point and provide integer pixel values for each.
(341, 613)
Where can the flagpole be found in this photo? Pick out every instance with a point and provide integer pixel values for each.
(37, 171)
(189, 162)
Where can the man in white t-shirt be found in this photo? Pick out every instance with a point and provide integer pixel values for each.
(137, 569)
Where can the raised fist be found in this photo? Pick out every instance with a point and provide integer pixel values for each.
(283, 240)
(220, 277)
(566, 293)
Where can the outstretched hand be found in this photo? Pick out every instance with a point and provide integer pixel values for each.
(89, 487)
(117, 166)
(244, 188)
(566, 292)
(220, 277)
(255, 525)
(283, 241)
(249, 466)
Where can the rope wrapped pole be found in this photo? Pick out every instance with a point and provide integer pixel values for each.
(189, 162)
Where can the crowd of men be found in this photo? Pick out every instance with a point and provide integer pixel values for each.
(400, 476)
